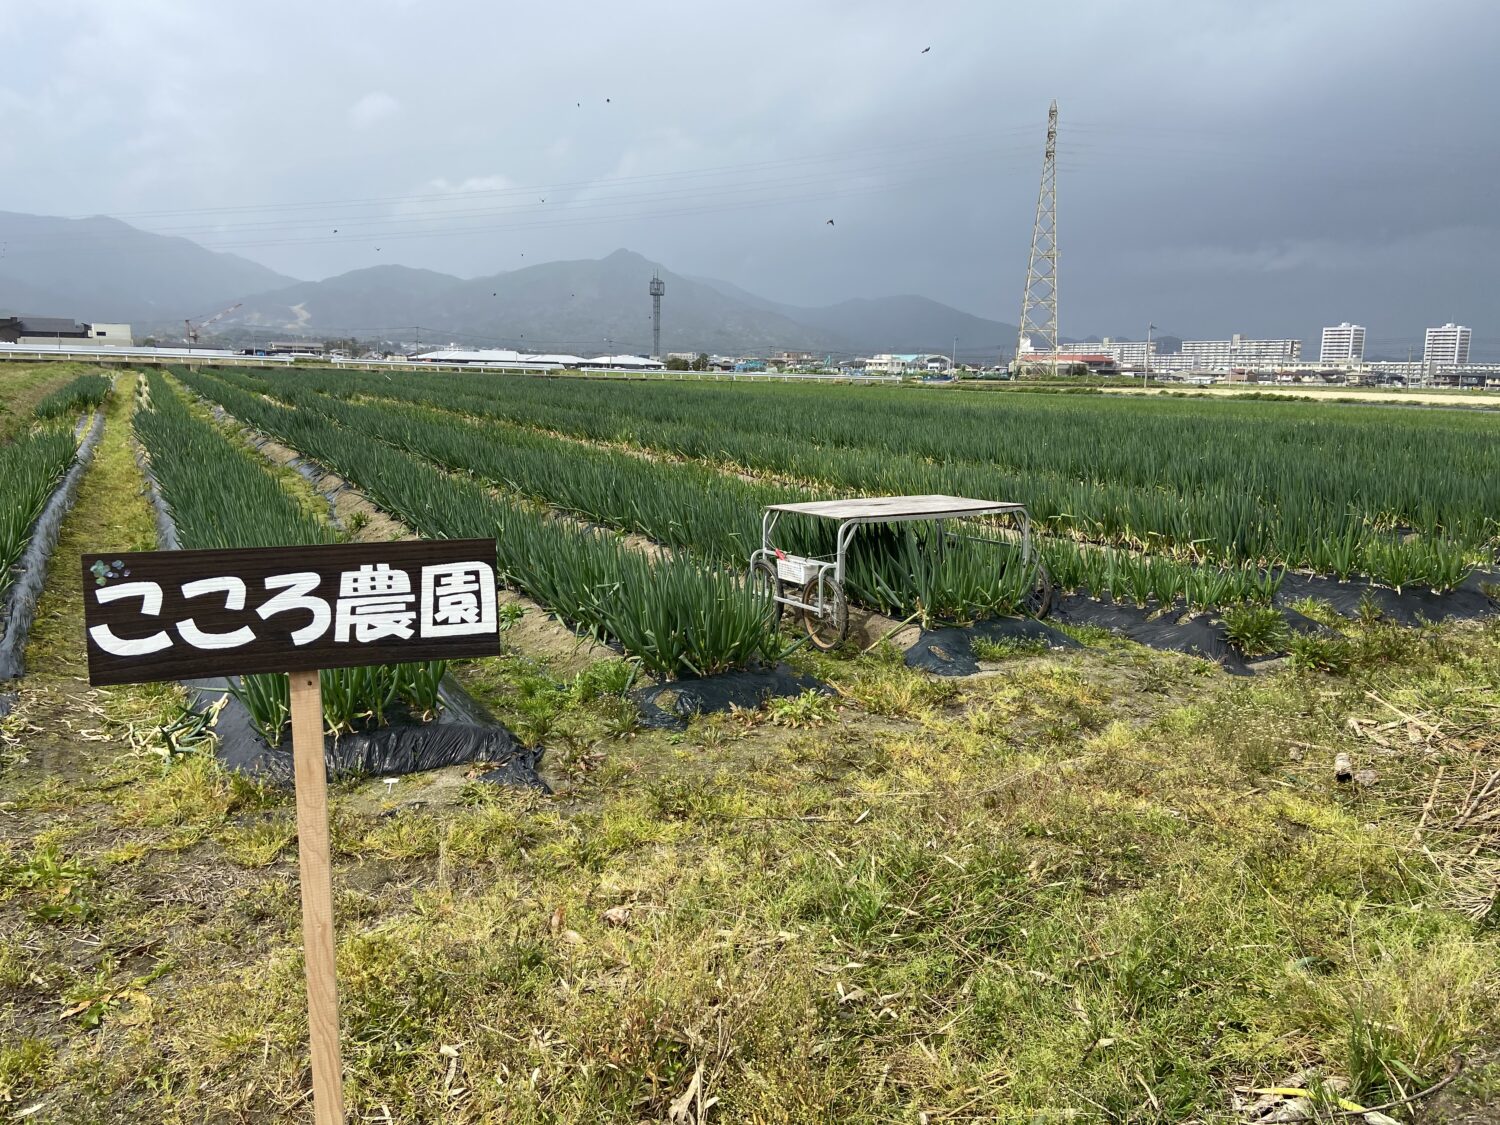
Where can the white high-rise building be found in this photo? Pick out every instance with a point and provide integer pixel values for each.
(1448, 344)
(1343, 343)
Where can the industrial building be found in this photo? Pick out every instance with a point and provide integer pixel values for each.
(888, 363)
(524, 361)
(1343, 344)
(59, 330)
(1236, 352)
(1448, 344)
(1127, 355)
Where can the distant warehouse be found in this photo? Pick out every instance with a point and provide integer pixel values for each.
(62, 331)
(522, 361)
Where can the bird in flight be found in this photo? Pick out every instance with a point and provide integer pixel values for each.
(606, 101)
(335, 230)
(926, 49)
(830, 222)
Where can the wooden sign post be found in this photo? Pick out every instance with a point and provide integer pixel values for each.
(313, 861)
(171, 615)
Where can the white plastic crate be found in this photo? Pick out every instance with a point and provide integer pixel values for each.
(795, 569)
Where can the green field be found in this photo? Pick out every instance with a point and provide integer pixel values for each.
(1404, 497)
(37, 445)
(1109, 884)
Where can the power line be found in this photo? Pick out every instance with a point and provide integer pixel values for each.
(938, 176)
(391, 226)
(645, 177)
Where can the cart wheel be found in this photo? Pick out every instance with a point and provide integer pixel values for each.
(1039, 597)
(765, 584)
(826, 632)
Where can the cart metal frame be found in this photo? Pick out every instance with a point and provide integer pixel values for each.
(800, 571)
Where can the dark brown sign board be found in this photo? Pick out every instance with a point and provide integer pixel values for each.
(174, 615)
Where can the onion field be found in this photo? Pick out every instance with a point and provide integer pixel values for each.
(675, 615)
(1343, 492)
(34, 461)
(30, 466)
(219, 497)
(1153, 503)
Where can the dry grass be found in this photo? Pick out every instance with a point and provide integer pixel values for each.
(23, 385)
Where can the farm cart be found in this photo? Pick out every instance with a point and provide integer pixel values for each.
(814, 586)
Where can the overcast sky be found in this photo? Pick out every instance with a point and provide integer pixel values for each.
(1249, 165)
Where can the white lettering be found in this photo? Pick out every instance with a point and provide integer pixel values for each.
(374, 602)
(150, 595)
(458, 599)
(295, 590)
(233, 590)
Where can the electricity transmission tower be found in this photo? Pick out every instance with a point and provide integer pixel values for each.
(658, 287)
(1039, 303)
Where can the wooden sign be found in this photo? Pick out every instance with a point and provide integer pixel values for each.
(174, 615)
(171, 615)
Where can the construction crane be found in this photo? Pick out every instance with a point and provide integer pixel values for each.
(191, 330)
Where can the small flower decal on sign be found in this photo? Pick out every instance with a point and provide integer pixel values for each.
(103, 572)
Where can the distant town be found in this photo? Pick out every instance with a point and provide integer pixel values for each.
(1341, 357)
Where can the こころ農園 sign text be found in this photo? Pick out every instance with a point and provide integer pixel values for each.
(174, 615)
(168, 615)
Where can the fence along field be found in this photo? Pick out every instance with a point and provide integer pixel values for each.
(1400, 496)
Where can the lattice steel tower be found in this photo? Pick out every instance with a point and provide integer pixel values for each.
(1039, 303)
(658, 287)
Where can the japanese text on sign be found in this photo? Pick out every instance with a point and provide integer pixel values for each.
(306, 607)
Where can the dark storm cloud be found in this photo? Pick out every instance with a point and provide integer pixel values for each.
(1242, 166)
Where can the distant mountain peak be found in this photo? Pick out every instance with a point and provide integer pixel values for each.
(103, 269)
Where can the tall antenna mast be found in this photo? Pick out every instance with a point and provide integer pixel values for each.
(658, 287)
(1039, 303)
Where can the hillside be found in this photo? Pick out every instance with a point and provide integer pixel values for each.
(555, 306)
(103, 269)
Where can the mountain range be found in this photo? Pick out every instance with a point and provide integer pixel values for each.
(106, 270)
(103, 269)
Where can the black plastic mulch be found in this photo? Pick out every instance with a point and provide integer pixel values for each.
(950, 651)
(1411, 605)
(463, 732)
(1198, 635)
(1203, 635)
(669, 706)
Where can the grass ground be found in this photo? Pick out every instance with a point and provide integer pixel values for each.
(23, 385)
(1104, 886)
